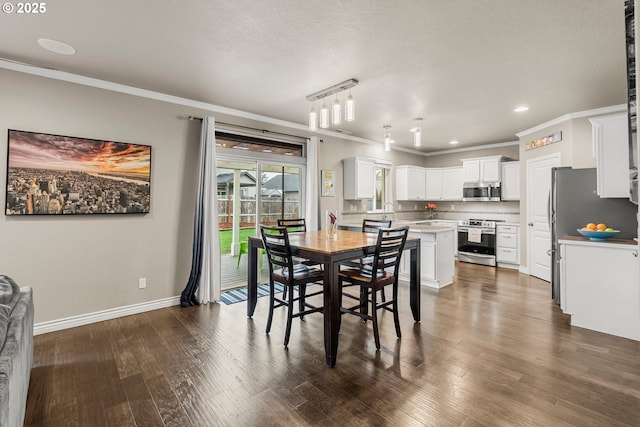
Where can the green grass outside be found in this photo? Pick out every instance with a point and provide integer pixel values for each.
(226, 237)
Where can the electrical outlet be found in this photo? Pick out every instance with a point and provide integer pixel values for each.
(453, 207)
(142, 283)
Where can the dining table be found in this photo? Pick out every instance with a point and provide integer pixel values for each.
(331, 250)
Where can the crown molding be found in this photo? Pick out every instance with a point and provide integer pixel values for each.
(570, 116)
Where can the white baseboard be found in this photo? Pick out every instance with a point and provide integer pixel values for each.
(99, 316)
(524, 269)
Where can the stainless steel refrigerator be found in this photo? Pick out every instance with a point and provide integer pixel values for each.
(574, 203)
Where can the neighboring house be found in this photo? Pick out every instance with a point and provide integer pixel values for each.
(273, 186)
(247, 185)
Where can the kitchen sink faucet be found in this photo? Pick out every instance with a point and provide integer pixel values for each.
(384, 210)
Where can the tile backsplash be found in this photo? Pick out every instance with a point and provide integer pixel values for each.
(508, 211)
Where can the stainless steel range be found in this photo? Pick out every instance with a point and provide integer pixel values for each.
(477, 241)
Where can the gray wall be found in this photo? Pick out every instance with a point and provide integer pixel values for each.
(82, 264)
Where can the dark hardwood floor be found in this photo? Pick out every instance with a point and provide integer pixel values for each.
(491, 350)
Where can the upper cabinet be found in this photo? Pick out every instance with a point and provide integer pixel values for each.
(611, 153)
(444, 183)
(482, 169)
(410, 183)
(359, 179)
(510, 186)
(433, 184)
(416, 183)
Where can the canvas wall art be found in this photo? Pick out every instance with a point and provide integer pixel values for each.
(64, 175)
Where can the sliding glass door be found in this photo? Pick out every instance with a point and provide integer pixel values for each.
(250, 193)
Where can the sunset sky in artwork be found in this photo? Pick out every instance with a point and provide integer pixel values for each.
(44, 151)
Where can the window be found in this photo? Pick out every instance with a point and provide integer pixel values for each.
(381, 194)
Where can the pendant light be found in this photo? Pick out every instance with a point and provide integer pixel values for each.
(387, 138)
(349, 109)
(417, 133)
(336, 112)
(313, 119)
(324, 116)
(336, 108)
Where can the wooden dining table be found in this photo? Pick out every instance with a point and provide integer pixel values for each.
(331, 251)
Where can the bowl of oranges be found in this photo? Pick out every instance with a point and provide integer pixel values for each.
(597, 232)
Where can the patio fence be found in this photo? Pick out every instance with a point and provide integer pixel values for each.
(270, 212)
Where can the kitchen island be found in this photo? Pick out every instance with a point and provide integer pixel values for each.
(437, 248)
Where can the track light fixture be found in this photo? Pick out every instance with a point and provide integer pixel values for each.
(336, 110)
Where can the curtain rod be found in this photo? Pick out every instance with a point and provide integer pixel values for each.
(264, 131)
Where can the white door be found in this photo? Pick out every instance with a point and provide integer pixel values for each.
(538, 226)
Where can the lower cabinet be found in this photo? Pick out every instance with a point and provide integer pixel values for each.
(600, 287)
(436, 258)
(507, 246)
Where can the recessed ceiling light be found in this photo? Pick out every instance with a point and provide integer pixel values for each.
(521, 109)
(56, 47)
(454, 142)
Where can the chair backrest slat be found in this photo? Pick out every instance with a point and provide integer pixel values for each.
(373, 225)
(293, 225)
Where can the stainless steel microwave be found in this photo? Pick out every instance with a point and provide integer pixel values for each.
(481, 192)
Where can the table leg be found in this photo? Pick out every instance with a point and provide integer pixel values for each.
(414, 282)
(332, 302)
(252, 279)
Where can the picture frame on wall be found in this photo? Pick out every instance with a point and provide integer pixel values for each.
(65, 175)
(327, 183)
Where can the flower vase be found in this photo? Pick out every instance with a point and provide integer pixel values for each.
(331, 224)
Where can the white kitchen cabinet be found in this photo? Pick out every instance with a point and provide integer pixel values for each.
(510, 184)
(437, 264)
(611, 153)
(410, 183)
(600, 286)
(508, 245)
(433, 184)
(444, 183)
(482, 169)
(454, 225)
(358, 179)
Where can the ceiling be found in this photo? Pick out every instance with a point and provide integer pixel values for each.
(460, 65)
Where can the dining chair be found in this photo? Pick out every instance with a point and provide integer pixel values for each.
(369, 226)
(382, 272)
(283, 270)
(297, 225)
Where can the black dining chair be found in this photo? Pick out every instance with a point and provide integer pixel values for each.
(283, 270)
(296, 225)
(382, 272)
(369, 226)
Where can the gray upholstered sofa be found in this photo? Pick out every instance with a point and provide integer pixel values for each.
(16, 350)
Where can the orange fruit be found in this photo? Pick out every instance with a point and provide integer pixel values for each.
(601, 227)
(590, 226)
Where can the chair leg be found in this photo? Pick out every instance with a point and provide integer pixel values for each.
(364, 302)
(374, 318)
(396, 317)
(302, 290)
(382, 295)
(271, 303)
(290, 303)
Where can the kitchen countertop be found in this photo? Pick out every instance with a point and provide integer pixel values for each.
(581, 240)
(429, 228)
(413, 227)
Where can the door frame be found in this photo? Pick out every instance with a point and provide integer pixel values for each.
(529, 184)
